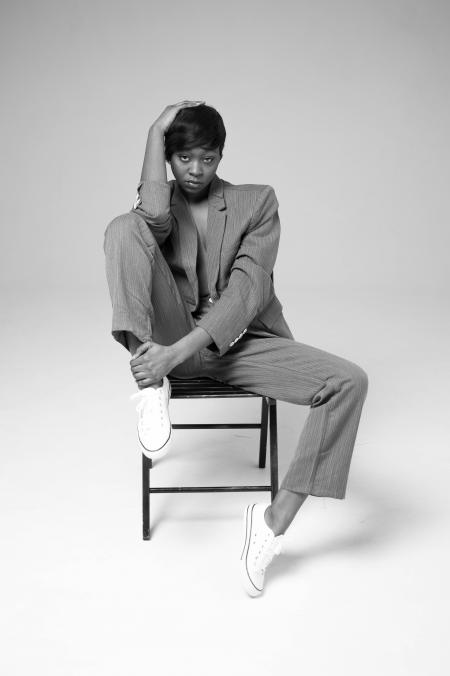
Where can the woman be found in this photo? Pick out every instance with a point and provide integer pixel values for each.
(189, 271)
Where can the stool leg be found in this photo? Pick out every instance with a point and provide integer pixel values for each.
(263, 435)
(273, 446)
(146, 467)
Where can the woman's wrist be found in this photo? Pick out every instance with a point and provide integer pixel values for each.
(156, 130)
(193, 342)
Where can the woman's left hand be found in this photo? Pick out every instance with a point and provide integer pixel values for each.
(150, 363)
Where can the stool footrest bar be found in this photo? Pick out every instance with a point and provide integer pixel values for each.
(207, 489)
(216, 426)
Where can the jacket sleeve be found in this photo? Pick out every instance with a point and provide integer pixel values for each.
(249, 286)
(153, 205)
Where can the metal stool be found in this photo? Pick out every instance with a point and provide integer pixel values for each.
(203, 388)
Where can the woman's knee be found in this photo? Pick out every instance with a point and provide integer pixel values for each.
(357, 378)
(129, 226)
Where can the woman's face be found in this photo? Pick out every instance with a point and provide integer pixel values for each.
(194, 169)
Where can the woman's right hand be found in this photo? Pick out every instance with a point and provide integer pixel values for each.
(169, 113)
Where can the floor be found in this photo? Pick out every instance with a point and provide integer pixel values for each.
(362, 584)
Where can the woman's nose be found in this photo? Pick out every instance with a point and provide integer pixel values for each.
(195, 169)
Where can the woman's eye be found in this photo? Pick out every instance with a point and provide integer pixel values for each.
(185, 158)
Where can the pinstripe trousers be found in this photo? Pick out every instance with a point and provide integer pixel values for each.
(146, 301)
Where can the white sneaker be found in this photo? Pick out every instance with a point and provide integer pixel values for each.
(260, 546)
(154, 427)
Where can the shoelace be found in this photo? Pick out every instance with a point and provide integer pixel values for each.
(148, 399)
(269, 548)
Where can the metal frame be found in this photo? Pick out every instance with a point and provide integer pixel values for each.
(201, 388)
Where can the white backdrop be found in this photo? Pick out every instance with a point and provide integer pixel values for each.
(341, 106)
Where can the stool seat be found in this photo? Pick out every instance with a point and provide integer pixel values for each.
(197, 388)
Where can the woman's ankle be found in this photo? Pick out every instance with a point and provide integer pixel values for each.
(271, 521)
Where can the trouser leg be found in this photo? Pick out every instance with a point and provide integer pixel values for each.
(145, 298)
(333, 387)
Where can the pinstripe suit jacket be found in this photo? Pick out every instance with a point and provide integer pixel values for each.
(242, 238)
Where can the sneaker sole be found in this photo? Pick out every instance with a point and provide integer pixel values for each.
(247, 583)
(158, 452)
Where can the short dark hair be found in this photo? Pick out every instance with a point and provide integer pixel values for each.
(195, 126)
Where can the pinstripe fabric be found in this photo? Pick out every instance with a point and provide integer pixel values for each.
(242, 238)
(153, 292)
(333, 387)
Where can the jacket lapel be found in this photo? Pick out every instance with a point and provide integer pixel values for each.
(217, 216)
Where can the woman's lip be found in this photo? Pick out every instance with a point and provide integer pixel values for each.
(193, 182)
